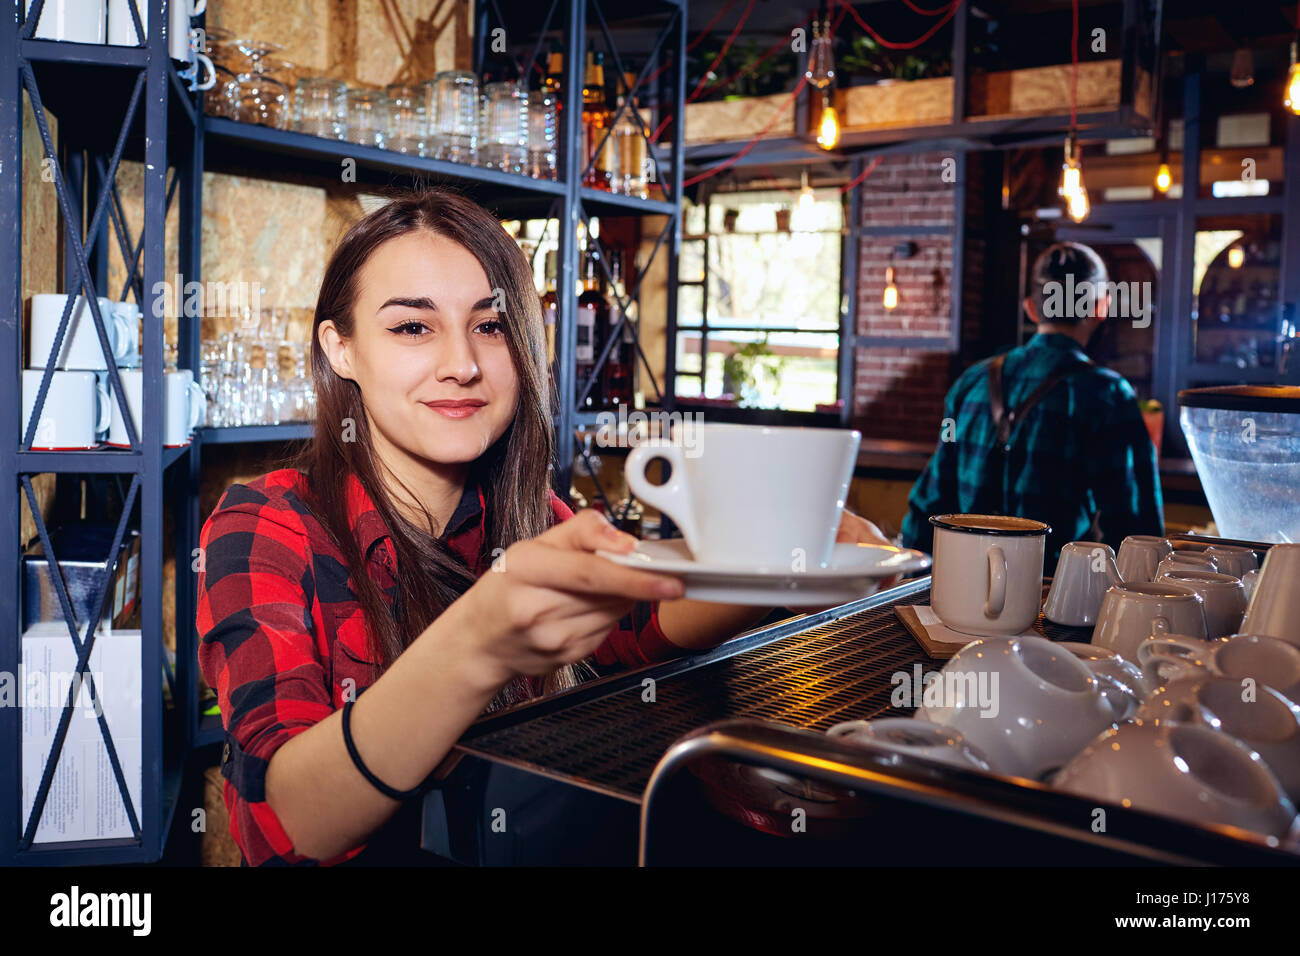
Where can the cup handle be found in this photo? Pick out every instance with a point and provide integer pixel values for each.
(104, 405)
(997, 595)
(673, 497)
(1163, 661)
(198, 405)
(1118, 696)
(125, 335)
(211, 81)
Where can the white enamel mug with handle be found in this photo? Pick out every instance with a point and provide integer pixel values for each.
(751, 495)
(988, 573)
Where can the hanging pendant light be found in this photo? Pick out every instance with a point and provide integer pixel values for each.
(828, 130)
(1292, 99)
(1072, 188)
(1236, 257)
(1243, 69)
(821, 56)
(890, 298)
(1164, 177)
(804, 216)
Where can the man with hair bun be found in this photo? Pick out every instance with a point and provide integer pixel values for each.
(1041, 431)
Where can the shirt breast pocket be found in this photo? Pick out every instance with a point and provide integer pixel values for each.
(351, 670)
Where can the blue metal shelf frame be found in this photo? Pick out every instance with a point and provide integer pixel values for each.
(157, 473)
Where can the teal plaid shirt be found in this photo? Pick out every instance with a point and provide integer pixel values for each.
(1082, 454)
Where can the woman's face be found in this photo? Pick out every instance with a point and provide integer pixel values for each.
(428, 351)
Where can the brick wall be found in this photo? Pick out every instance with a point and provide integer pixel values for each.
(898, 393)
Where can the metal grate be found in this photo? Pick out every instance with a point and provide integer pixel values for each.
(812, 679)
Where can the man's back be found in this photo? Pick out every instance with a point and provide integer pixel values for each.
(1083, 449)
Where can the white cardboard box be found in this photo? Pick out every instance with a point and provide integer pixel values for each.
(84, 802)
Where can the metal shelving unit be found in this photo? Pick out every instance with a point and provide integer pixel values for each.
(92, 140)
(91, 145)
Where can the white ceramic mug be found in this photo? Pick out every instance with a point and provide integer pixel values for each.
(1130, 613)
(178, 29)
(1180, 770)
(77, 21)
(180, 407)
(1104, 661)
(80, 348)
(75, 412)
(1186, 561)
(1085, 572)
(914, 738)
(1233, 559)
(1027, 704)
(1223, 595)
(1266, 660)
(1261, 718)
(988, 573)
(1139, 555)
(751, 495)
(1274, 608)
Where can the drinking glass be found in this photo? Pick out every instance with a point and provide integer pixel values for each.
(406, 119)
(503, 130)
(542, 121)
(367, 117)
(453, 110)
(319, 106)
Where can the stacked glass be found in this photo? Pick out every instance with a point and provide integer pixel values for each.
(407, 124)
(320, 107)
(367, 117)
(503, 134)
(542, 133)
(452, 108)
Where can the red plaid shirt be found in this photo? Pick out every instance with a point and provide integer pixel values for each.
(282, 631)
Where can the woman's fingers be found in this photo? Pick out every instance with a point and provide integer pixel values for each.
(589, 530)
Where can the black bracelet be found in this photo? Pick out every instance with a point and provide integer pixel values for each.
(375, 782)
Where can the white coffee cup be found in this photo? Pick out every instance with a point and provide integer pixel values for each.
(1130, 613)
(751, 495)
(914, 738)
(1180, 770)
(75, 412)
(182, 405)
(1139, 555)
(1104, 661)
(1084, 573)
(1186, 561)
(80, 348)
(1262, 719)
(988, 573)
(1223, 595)
(1028, 705)
(77, 21)
(1266, 660)
(1233, 559)
(178, 30)
(1274, 608)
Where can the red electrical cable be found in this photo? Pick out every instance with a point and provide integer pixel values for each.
(890, 44)
(1074, 64)
(862, 175)
(735, 76)
(930, 13)
(710, 25)
(749, 8)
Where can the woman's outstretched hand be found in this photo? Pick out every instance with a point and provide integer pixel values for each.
(551, 600)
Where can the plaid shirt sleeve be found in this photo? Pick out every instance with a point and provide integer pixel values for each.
(637, 639)
(259, 651)
(1122, 470)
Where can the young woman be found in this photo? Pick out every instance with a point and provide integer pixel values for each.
(415, 552)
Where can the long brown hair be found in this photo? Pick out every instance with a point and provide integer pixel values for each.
(513, 473)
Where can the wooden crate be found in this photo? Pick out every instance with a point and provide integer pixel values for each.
(1044, 90)
(891, 104)
(740, 119)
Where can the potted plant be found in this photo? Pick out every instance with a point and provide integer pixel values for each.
(741, 369)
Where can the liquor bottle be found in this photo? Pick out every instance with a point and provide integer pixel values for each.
(553, 81)
(630, 147)
(550, 307)
(593, 319)
(617, 373)
(595, 123)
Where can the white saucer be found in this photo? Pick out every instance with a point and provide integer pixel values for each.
(855, 571)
